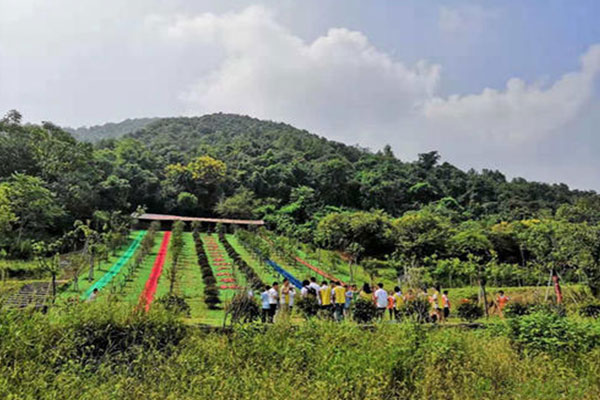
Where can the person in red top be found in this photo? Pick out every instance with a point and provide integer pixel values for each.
(501, 301)
(390, 305)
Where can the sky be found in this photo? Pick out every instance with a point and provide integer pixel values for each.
(508, 85)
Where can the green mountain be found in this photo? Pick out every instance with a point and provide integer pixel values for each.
(238, 166)
(275, 160)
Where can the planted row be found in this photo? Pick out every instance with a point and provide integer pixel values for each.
(135, 263)
(211, 292)
(252, 277)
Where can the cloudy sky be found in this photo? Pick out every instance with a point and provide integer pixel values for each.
(507, 85)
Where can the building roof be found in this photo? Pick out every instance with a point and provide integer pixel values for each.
(163, 217)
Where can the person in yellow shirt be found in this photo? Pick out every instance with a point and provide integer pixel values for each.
(366, 293)
(339, 298)
(325, 296)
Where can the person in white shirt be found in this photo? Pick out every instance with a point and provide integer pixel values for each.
(304, 290)
(381, 300)
(292, 296)
(315, 286)
(266, 304)
(273, 300)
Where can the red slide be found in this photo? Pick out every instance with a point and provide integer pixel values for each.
(148, 293)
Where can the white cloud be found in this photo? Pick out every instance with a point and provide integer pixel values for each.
(339, 84)
(342, 86)
(520, 112)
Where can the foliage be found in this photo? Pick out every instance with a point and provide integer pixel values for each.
(417, 309)
(364, 311)
(517, 309)
(549, 332)
(308, 306)
(175, 304)
(469, 311)
(242, 308)
(110, 352)
(590, 310)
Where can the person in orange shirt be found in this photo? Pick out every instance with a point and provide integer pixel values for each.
(445, 305)
(390, 305)
(501, 300)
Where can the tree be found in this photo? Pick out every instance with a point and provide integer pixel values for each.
(77, 264)
(187, 202)
(240, 205)
(470, 244)
(91, 246)
(50, 264)
(355, 251)
(34, 207)
(419, 235)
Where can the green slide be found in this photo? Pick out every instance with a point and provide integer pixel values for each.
(114, 270)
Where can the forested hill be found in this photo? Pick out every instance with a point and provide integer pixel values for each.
(278, 162)
(109, 130)
(237, 166)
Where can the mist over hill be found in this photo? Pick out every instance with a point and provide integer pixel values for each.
(109, 130)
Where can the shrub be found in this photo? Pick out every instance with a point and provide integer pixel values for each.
(417, 308)
(590, 310)
(469, 311)
(549, 332)
(364, 311)
(308, 306)
(243, 308)
(516, 309)
(176, 304)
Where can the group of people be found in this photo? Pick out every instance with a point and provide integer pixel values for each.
(335, 299)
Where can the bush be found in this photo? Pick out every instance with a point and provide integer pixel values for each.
(417, 308)
(308, 306)
(175, 304)
(590, 310)
(364, 311)
(243, 308)
(516, 309)
(469, 311)
(549, 332)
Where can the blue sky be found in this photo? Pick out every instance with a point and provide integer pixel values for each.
(509, 84)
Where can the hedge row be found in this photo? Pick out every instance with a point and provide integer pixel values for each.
(211, 292)
(252, 277)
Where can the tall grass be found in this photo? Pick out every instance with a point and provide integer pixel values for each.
(103, 351)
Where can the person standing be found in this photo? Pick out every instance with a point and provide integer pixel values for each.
(266, 304)
(501, 300)
(273, 301)
(291, 296)
(304, 290)
(390, 305)
(284, 296)
(398, 302)
(314, 289)
(446, 306)
(349, 297)
(381, 300)
(366, 293)
(325, 296)
(339, 297)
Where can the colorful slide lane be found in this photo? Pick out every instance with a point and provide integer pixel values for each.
(318, 271)
(306, 264)
(116, 268)
(293, 280)
(147, 295)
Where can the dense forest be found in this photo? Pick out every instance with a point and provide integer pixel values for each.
(371, 205)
